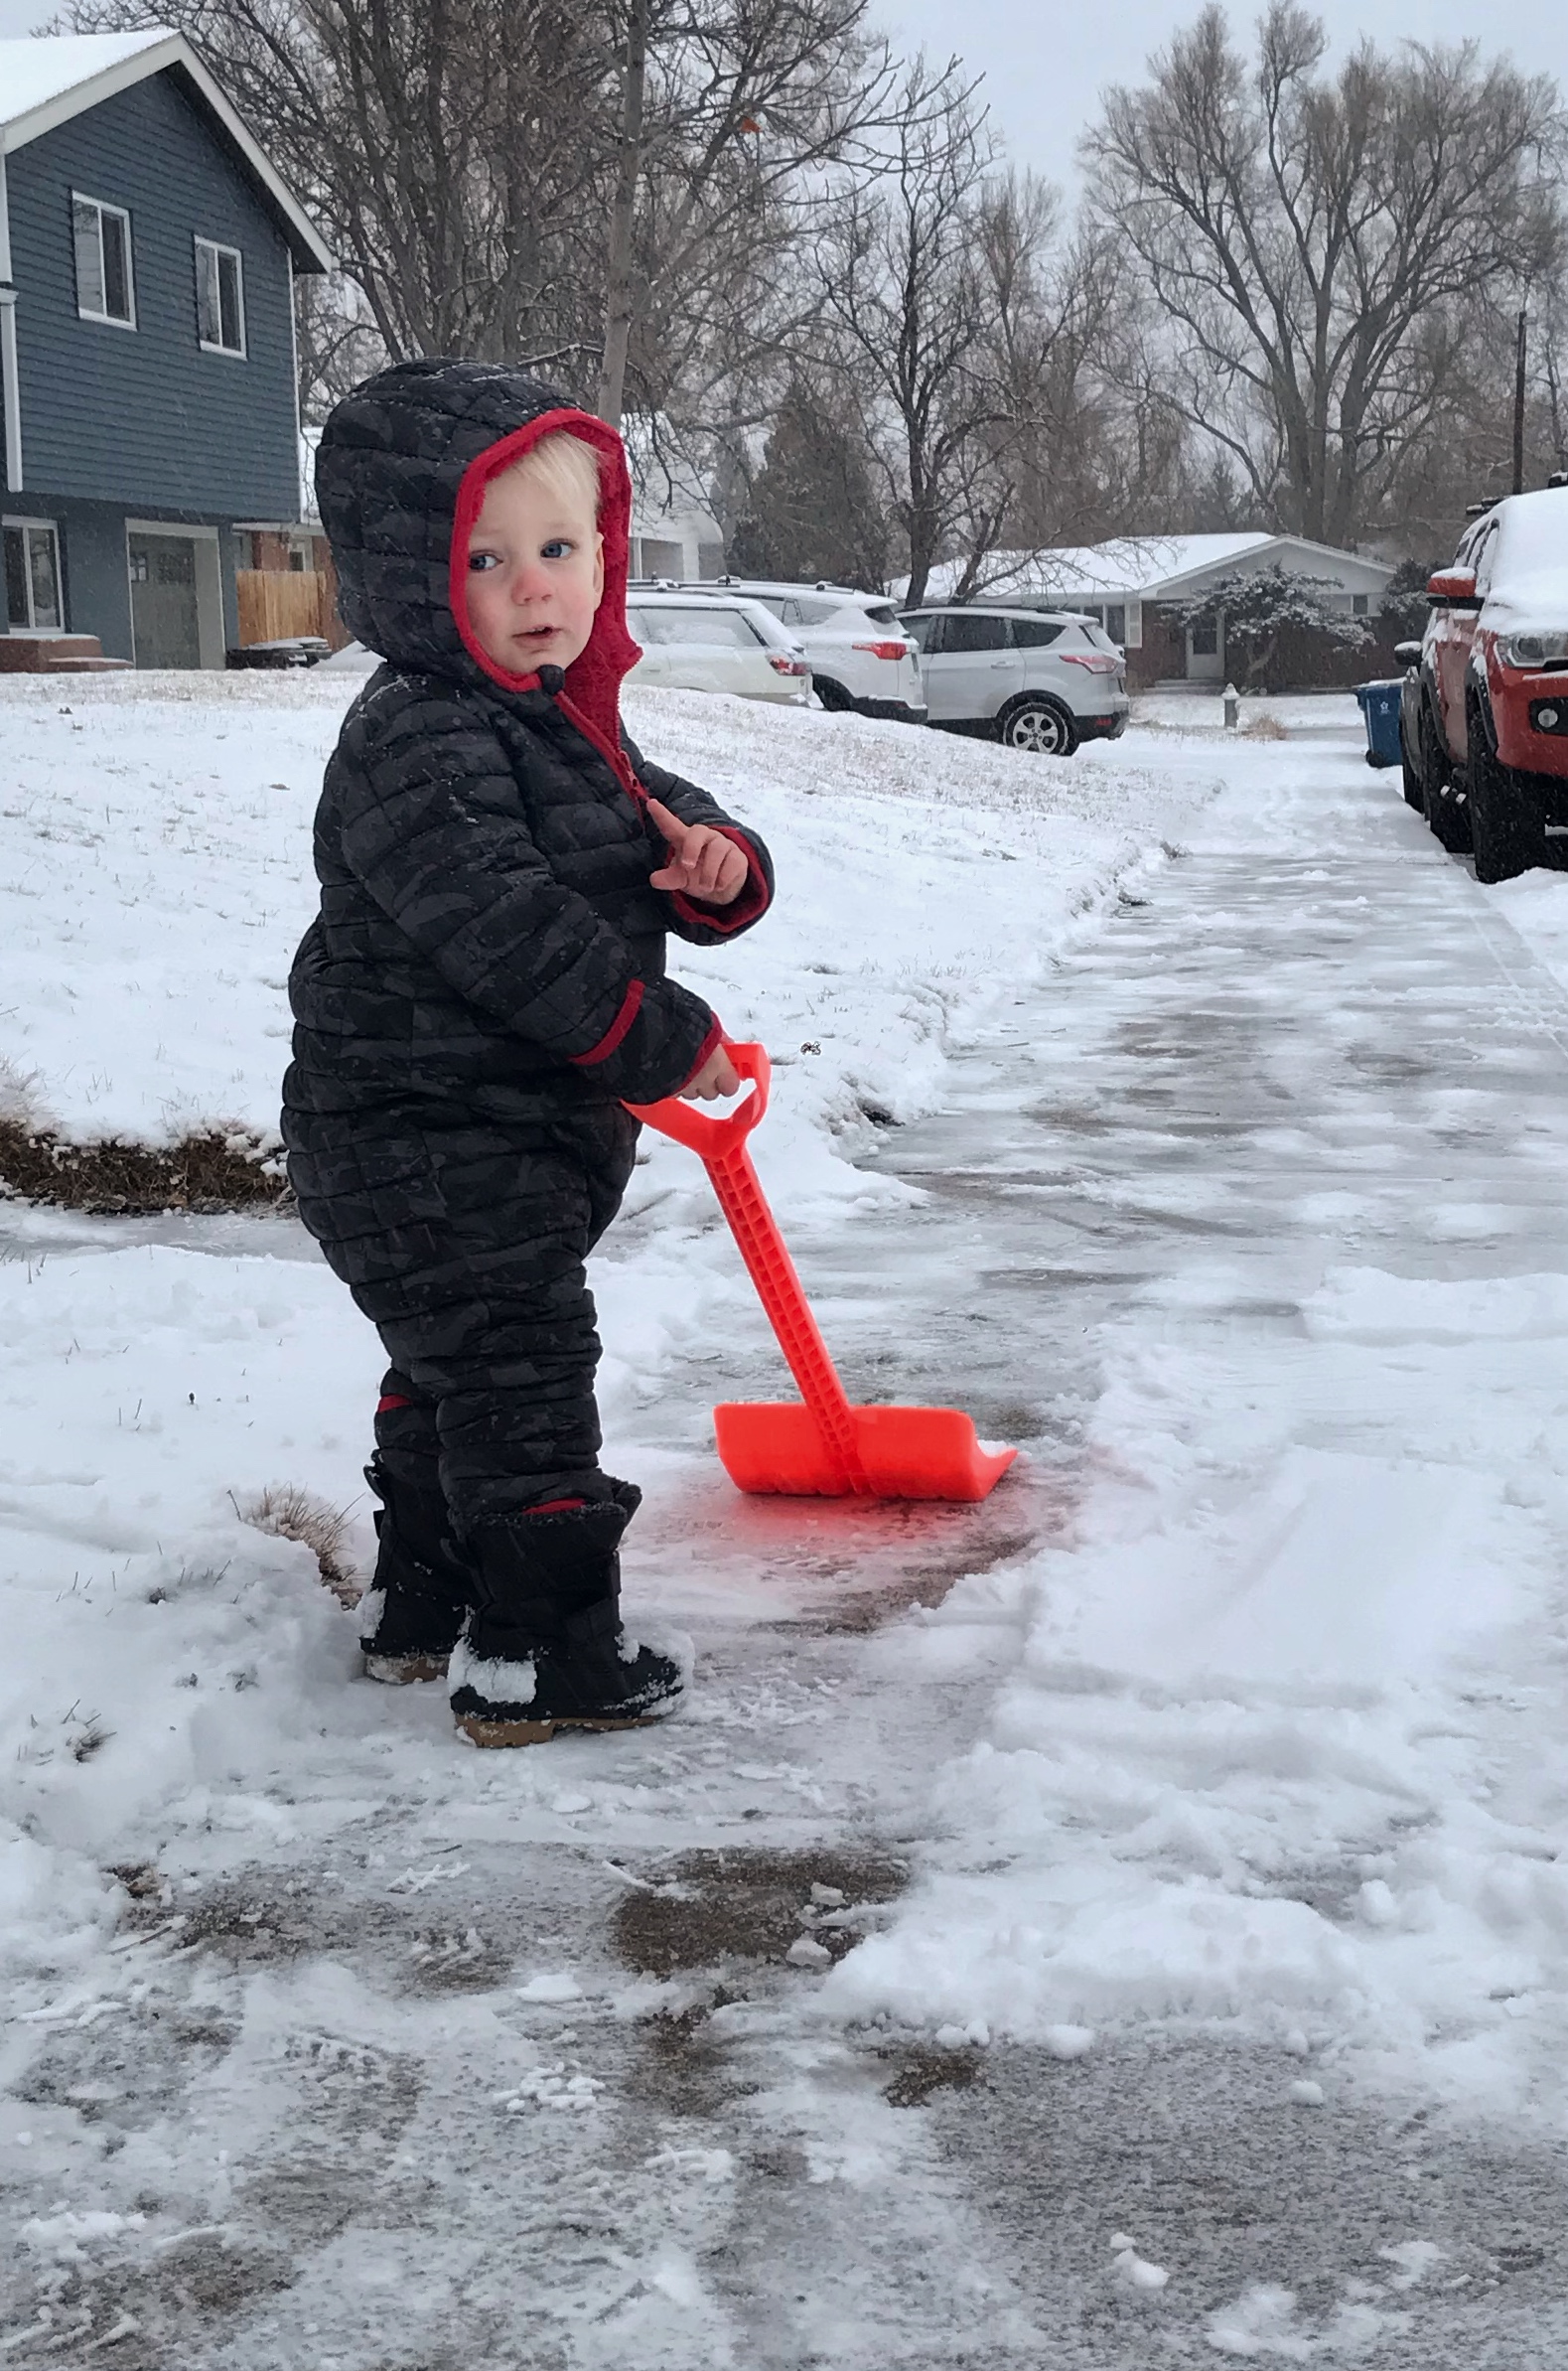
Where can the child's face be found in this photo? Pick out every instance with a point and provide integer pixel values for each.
(536, 574)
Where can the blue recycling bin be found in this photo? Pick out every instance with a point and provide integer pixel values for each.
(1380, 707)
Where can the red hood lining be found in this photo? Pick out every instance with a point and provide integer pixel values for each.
(593, 680)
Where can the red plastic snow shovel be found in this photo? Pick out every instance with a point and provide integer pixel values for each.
(827, 1448)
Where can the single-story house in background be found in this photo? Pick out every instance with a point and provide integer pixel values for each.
(1123, 584)
(148, 249)
(674, 533)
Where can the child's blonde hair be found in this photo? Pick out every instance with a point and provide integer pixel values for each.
(563, 465)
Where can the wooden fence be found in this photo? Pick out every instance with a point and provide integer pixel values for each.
(275, 604)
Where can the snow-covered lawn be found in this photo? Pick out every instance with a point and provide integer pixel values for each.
(154, 877)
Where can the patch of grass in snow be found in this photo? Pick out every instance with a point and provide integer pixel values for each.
(289, 1513)
(209, 1172)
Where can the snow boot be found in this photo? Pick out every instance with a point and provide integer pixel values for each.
(545, 1649)
(414, 1610)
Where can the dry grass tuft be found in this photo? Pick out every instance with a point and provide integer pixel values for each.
(287, 1512)
(214, 1171)
(1265, 728)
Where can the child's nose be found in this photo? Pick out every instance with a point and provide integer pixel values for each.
(531, 583)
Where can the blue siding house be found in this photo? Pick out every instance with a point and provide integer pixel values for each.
(147, 258)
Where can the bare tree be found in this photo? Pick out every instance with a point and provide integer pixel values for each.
(620, 287)
(905, 320)
(441, 144)
(733, 117)
(1312, 243)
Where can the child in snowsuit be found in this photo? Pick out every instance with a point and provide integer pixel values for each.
(483, 985)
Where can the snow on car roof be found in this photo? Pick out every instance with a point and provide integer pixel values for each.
(1529, 576)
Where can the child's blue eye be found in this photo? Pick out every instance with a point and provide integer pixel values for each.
(556, 549)
(483, 559)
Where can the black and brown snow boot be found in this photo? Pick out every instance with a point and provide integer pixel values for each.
(412, 1615)
(545, 1649)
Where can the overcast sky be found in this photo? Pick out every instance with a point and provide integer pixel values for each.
(1045, 65)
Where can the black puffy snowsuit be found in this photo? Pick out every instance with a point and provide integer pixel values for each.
(485, 979)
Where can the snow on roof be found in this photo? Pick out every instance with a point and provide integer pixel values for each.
(32, 73)
(45, 80)
(1131, 564)
(1130, 568)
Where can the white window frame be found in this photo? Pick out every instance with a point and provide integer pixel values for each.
(216, 247)
(50, 528)
(102, 206)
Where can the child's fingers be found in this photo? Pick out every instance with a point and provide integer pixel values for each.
(674, 830)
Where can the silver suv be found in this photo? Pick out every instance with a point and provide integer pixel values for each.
(858, 651)
(1036, 679)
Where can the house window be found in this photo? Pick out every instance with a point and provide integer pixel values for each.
(104, 287)
(1359, 605)
(1206, 638)
(1116, 621)
(220, 299)
(32, 576)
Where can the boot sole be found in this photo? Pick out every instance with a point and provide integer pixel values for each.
(539, 1732)
(401, 1671)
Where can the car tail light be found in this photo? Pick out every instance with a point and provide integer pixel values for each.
(786, 667)
(886, 650)
(1098, 663)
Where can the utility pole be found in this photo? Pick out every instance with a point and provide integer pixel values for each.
(1519, 401)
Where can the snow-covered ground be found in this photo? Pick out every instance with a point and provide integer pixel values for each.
(1183, 1823)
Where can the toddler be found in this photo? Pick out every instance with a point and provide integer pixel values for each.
(483, 986)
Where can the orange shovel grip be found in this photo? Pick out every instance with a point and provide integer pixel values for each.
(699, 1131)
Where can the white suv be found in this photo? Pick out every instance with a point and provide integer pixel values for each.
(1035, 679)
(859, 654)
(708, 640)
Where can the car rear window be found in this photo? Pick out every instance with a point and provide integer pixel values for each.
(1034, 634)
(921, 628)
(881, 615)
(727, 628)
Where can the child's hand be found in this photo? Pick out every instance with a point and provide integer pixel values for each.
(703, 863)
(717, 1077)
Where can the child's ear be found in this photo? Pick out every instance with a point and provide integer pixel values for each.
(598, 569)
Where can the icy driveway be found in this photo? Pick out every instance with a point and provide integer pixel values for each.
(1201, 1837)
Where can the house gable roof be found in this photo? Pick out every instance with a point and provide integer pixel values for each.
(1136, 567)
(47, 81)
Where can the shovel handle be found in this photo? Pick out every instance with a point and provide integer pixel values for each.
(778, 1288)
(721, 1146)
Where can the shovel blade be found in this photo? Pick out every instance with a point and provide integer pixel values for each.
(774, 1449)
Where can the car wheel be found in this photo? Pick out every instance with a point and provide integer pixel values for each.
(832, 696)
(1038, 726)
(1443, 803)
(1506, 840)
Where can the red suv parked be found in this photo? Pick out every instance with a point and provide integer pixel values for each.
(1484, 717)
